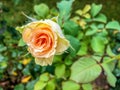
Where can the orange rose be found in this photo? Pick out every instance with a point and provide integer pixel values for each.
(44, 40)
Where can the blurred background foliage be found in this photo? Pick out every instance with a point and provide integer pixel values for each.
(17, 68)
(12, 9)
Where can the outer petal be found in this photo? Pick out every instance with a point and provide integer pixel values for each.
(44, 61)
(55, 27)
(26, 35)
(62, 45)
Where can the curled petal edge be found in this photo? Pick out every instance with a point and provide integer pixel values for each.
(44, 61)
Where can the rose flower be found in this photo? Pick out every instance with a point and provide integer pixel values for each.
(44, 39)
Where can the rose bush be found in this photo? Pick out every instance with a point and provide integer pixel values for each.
(44, 39)
(92, 63)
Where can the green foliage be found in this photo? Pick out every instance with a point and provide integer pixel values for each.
(113, 25)
(101, 18)
(74, 46)
(40, 85)
(98, 44)
(95, 9)
(30, 85)
(60, 70)
(93, 52)
(64, 9)
(19, 87)
(70, 85)
(110, 77)
(71, 28)
(51, 85)
(87, 87)
(41, 10)
(83, 49)
(87, 70)
(21, 42)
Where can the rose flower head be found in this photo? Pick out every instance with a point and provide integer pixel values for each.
(44, 39)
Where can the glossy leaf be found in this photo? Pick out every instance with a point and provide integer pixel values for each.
(95, 9)
(42, 10)
(51, 85)
(87, 86)
(40, 85)
(97, 44)
(83, 49)
(85, 70)
(71, 28)
(74, 46)
(70, 85)
(21, 42)
(44, 77)
(110, 77)
(64, 8)
(113, 25)
(30, 85)
(60, 70)
(101, 18)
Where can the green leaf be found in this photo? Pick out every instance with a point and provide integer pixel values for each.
(71, 28)
(111, 65)
(92, 30)
(50, 85)
(1, 57)
(98, 44)
(74, 46)
(113, 25)
(86, 9)
(16, 2)
(85, 70)
(64, 8)
(26, 70)
(97, 57)
(44, 77)
(42, 10)
(30, 85)
(83, 49)
(95, 9)
(70, 85)
(40, 85)
(19, 87)
(110, 77)
(57, 58)
(60, 70)
(100, 18)
(3, 65)
(21, 42)
(2, 48)
(109, 51)
(68, 60)
(20, 29)
(87, 86)
(80, 35)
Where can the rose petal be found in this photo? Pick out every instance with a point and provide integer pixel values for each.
(26, 35)
(44, 61)
(62, 45)
(55, 27)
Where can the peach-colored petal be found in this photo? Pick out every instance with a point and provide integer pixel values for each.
(26, 35)
(44, 61)
(62, 45)
(55, 27)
